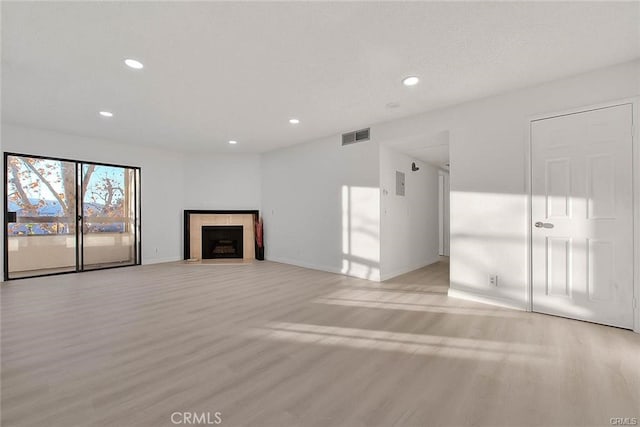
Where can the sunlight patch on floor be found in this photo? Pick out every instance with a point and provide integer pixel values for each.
(455, 347)
(405, 300)
(414, 307)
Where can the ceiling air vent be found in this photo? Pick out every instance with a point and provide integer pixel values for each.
(355, 136)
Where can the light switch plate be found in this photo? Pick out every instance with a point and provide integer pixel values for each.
(493, 280)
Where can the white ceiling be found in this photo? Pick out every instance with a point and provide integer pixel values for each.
(220, 71)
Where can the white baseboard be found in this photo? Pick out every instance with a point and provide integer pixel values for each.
(147, 261)
(484, 299)
(405, 270)
(304, 264)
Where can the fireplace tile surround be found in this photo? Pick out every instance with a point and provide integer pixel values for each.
(194, 220)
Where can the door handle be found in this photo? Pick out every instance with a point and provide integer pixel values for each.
(540, 224)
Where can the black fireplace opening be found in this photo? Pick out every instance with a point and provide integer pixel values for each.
(222, 241)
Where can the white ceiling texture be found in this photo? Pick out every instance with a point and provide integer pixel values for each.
(216, 71)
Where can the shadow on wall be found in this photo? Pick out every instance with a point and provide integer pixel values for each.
(361, 232)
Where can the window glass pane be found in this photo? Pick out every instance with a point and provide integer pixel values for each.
(41, 195)
(108, 216)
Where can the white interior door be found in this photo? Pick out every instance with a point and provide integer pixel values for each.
(582, 210)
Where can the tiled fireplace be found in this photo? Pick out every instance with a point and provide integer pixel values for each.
(219, 234)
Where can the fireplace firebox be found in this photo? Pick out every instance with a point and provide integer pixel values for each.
(222, 241)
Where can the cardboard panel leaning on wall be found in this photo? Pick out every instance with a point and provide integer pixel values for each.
(162, 180)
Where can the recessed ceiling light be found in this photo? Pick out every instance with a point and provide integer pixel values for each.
(233, 142)
(106, 113)
(132, 63)
(410, 81)
(294, 121)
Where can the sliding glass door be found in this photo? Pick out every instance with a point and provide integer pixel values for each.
(66, 216)
(108, 216)
(41, 222)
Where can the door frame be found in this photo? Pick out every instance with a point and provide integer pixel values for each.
(635, 136)
(443, 217)
(79, 263)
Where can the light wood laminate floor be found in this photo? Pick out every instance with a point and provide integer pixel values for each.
(268, 344)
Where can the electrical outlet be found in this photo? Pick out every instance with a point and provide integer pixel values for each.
(493, 279)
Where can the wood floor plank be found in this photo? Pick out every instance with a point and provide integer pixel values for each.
(269, 344)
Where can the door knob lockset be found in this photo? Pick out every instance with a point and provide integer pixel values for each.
(541, 224)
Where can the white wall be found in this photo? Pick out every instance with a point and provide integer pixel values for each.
(222, 181)
(321, 201)
(408, 224)
(487, 175)
(161, 180)
(321, 206)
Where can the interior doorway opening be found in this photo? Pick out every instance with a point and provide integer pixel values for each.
(417, 216)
